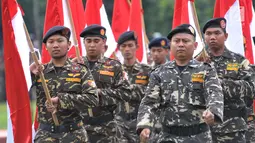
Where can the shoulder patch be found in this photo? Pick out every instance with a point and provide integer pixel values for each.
(110, 61)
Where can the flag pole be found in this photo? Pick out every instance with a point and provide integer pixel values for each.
(77, 51)
(204, 53)
(45, 88)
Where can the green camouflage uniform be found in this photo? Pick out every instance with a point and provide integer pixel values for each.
(235, 74)
(109, 77)
(250, 133)
(126, 113)
(182, 98)
(74, 85)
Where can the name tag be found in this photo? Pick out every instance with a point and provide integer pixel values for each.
(39, 80)
(197, 77)
(106, 73)
(141, 81)
(232, 66)
(73, 79)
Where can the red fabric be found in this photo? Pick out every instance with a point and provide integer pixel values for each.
(92, 12)
(246, 14)
(36, 123)
(79, 23)
(221, 7)
(121, 11)
(53, 17)
(181, 13)
(16, 86)
(135, 24)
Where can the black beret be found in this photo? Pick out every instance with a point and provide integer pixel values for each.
(94, 30)
(62, 30)
(216, 22)
(128, 35)
(159, 42)
(184, 28)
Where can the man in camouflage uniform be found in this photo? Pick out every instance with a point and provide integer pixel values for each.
(111, 83)
(72, 89)
(186, 91)
(235, 74)
(250, 133)
(159, 50)
(138, 76)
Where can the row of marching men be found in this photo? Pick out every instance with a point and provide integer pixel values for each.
(188, 100)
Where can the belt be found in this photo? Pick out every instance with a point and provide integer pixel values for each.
(99, 119)
(61, 128)
(186, 130)
(250, 118)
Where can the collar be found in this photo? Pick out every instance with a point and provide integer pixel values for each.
(50, 66)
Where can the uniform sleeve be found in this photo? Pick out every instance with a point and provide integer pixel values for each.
(149, 104)
(120, 90)
(240, 86)
(87, 98)
(214, 96)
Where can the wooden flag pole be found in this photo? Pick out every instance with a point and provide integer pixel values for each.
(204, 53)
(77, 51)
(45, 88)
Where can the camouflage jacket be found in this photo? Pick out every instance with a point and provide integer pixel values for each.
(181, 96)
(248, 100)
(110, 79)
(235, 74)
(138, 76)
(75, 87)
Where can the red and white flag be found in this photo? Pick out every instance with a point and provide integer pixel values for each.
(121, 10)
(95, 14)
(230, 9)
(246, 19)
(136, 24)
(57, 14)
(184, 14)
(17, 74)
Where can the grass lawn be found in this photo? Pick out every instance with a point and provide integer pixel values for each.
(3, 114)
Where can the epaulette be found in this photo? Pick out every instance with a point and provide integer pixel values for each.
(156, 69)
(111, 59)
(81, 64)
(146, 66)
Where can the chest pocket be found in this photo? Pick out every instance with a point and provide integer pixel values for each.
(232, 70)
(167, 92)
(71, 83)
(195, 94)
(106, 76)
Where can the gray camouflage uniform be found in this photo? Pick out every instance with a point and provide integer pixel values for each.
(235, 74)
(250, 134)
(182, 98)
